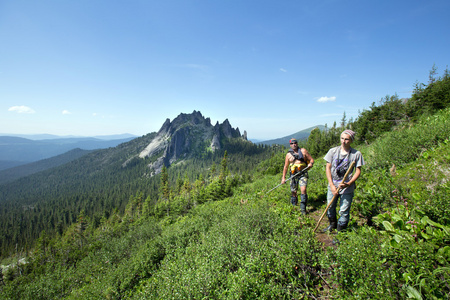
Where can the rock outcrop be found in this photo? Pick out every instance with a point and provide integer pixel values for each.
(187, 135)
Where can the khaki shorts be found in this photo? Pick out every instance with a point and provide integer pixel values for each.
(299, 181)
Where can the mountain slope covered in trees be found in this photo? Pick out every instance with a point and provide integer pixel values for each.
(15, 151)
(103, 180)
(15, 173)
(225, 237)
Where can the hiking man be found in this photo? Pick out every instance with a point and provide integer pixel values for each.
(296, 160)
(338, 161)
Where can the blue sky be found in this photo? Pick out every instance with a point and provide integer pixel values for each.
(271, 68)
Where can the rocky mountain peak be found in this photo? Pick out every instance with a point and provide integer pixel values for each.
(183, 136)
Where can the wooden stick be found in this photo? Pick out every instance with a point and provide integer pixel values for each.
(335, 196)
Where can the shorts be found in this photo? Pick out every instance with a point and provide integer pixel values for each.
(299, 181)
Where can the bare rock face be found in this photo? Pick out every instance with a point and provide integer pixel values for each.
(215, 143)
(185, 135)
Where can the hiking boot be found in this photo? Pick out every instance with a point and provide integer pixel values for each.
(303, 201)
(341, 227)
(332, 226)
(294, 200)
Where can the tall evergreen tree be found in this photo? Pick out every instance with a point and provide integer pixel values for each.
(165, 187)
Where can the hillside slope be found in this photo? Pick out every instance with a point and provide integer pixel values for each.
(103, 180)
(16, 151)
(250, 245)
(15, 173)
(224, 236)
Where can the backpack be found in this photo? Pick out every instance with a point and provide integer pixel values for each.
(298, 156)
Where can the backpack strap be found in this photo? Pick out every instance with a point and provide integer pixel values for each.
(298, 156)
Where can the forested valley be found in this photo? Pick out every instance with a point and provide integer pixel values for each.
(208, 228)
(99, 184)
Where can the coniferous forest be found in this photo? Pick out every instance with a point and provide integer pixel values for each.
(207, 227)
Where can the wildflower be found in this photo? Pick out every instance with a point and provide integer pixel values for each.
(412, 222)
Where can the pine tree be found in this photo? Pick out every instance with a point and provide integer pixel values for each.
(343, 121)
(164, 187)
(81, 228)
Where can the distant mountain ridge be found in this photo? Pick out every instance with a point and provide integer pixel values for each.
(300, 135)
(173, 142)
(181, 138)
(15, 151)
(46, 136)
(14, 173)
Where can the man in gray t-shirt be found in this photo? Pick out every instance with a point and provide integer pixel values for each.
(338, 161)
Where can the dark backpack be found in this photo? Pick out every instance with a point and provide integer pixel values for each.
(297, 156)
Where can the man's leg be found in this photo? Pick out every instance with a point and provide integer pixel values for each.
(344, 211)
(294, 186)
(303, 202)
(303, 196)
(294, 200)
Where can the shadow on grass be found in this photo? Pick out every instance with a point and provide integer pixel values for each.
(317, 201)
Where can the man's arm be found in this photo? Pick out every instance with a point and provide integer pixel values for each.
(308, 157)
(286, 164)
(354, 178)
(330, 179)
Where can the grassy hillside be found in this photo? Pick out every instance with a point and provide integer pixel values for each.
(253, 245)
(231, 239)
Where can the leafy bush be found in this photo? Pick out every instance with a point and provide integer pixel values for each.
(434, 97)
(367, 266)
(420, 252)
(403, 146)
(248, 253)
(437, 205)
(358, 269)
(274, 164)
(425, 183)
(379, 119)
(374, 193)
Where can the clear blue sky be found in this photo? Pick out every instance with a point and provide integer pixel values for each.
(271, 68)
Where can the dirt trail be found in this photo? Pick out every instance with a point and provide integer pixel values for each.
(325, 238)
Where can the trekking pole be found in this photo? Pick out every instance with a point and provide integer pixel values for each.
(298, 173)
(335, 196)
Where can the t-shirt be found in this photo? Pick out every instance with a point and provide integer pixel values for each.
(341, 163)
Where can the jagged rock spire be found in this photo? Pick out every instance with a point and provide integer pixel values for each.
(178, 139)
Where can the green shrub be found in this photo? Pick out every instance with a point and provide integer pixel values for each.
(374, 193)
(358, 267)
(248, 253)
(400, 147)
